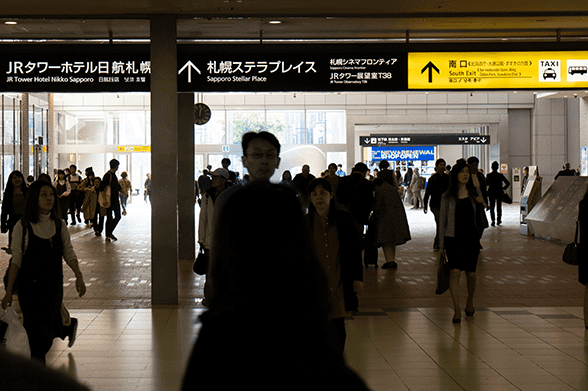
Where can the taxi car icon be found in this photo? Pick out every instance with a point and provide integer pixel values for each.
(549, 73)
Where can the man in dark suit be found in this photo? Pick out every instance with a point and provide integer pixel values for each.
(357, 194)
(567, 171)
(301, 182)
(478, 178)
(437, 185)
(110, 179)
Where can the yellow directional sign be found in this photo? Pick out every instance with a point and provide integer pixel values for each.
(497, 70)
(135, 148)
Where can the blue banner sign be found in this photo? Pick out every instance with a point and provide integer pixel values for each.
(403, 153)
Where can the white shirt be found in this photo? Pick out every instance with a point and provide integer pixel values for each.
(44, 229)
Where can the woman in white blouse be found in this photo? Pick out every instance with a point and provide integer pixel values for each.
(40, 242)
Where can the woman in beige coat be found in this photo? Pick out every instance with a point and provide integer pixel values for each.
(416, 186)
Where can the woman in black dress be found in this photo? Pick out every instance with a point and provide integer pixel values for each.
(459, 234)
(41, 242)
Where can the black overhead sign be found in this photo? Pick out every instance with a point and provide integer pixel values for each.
(292, 68)
(379, 140)
(74, 68)
(203, 68)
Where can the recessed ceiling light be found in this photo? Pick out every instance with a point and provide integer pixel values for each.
(275, 22)
(11, 22)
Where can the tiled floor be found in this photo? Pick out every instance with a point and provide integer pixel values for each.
(527, 333)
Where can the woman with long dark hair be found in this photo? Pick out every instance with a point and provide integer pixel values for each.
(460, 229)
(338, 250)
(63, 190)
(13, 202)
(286, 178)
(41, 241)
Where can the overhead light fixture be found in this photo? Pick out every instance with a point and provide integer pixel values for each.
(275, 22)
(11, 22)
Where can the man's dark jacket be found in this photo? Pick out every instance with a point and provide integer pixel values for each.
(357, 194)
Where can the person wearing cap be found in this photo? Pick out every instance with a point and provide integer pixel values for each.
(219, 181)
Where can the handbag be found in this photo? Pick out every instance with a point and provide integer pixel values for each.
(506, 198)
(442, 275)
(200, 266)
(370, 251)
(570, 255)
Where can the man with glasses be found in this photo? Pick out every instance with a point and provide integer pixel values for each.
(261, 157)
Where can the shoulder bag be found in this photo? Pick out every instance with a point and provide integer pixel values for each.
(200, 266)
(104, 196)
(570, 255)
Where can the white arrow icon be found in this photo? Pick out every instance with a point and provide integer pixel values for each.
(190, 65)
(483, 141)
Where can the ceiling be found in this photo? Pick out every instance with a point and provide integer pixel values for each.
(540, 22)
(323, 20)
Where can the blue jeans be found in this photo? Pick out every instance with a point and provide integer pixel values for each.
(123, 202)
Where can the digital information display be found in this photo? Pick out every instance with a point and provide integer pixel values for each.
(402, 153)
(497, 70)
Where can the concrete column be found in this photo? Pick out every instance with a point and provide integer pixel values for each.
(164, 167)
(186, 195)
(24, 142)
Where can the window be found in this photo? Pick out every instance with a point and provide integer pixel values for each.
(241, 122)
(325, 127)
(213, 132)
(288, 126)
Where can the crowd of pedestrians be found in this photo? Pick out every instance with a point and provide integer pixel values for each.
(321, 226)
(374, 206)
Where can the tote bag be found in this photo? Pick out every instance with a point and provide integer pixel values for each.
(104, 197)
